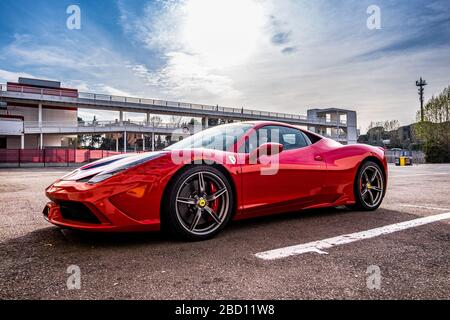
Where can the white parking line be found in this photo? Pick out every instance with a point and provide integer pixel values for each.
(424, 207)
(318, 246)
(418, 174)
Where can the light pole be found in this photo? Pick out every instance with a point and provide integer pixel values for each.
(421, 83)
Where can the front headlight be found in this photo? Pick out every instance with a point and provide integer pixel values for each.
(103, 176)
(110, 173)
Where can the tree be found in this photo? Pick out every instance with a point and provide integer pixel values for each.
(158, 143)
(95, 138)
(176, 120)
(434, 131)
(155, 120)
(390, 125)
(193, 121)
(82, 141)
(379, 132)
(108, 143)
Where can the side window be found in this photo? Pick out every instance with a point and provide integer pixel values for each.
(290, 138)
(307, 139)
(257, 138)
(251, 142)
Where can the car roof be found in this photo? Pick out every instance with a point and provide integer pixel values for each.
(258, 123)
(267, 122)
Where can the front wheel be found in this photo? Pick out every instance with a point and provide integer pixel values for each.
(199, 203)
(369, 187)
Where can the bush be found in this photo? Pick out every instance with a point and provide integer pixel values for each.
(436, 154)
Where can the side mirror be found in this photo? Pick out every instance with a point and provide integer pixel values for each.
(266, 149)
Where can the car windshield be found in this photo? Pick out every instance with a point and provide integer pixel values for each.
(217, 138)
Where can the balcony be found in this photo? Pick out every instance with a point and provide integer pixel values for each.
(85, 127)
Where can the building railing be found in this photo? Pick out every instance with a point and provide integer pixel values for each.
(156, 102)
(101, 124)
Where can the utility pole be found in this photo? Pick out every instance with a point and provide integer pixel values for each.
(421, 83)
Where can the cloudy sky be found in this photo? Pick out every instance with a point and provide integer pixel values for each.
(278, 55)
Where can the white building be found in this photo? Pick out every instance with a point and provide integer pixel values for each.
(345, 130)
(34, 115)
(39, 114)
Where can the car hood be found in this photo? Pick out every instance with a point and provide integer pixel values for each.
(111, 164)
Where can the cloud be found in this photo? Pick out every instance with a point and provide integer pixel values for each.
(8, 76)
(271, 55)
(289, 50)
(281, 37)
(199, 41)
(183, 77)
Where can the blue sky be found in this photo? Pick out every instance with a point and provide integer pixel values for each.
(280, 55)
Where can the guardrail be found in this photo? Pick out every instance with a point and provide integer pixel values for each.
(156, 102)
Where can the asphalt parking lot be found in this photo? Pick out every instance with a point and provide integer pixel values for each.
(412, 263)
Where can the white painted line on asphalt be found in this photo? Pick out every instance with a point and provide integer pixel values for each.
(423, 207)
(418, 174)
(318, 246)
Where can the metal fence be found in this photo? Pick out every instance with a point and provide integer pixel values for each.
(417, 156)
(104, 124)
(50, 157)
(68, 157)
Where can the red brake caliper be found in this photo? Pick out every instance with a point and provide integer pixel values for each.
(214, 204)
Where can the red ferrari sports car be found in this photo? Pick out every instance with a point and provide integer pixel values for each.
(234, 171)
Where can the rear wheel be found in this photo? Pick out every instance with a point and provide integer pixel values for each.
(199, 203)
(369, 186)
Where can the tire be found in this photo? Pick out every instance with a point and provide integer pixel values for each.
(369, 187)
(195, 210)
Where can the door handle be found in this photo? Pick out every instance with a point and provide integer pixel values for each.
(318, 157)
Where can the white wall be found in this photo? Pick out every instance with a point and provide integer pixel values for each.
(32, 141)
(48, 114)
(352, 134)
(13, 142)
(11, 126)
(54, 140)
(29, 114)
(61, 116)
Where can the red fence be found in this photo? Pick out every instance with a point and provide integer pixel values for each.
(51, 156)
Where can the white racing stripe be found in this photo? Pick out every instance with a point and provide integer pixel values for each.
(318, 246)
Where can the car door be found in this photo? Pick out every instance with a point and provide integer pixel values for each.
(290, 180)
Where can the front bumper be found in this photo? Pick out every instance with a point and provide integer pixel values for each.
(78, 205)
(53, 213)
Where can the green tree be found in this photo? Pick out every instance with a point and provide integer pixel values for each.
(96, 139)
(158, 144)
(380, 131)
(434, 131)
(107, 143)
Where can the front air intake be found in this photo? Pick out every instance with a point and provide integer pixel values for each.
(77, 211)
